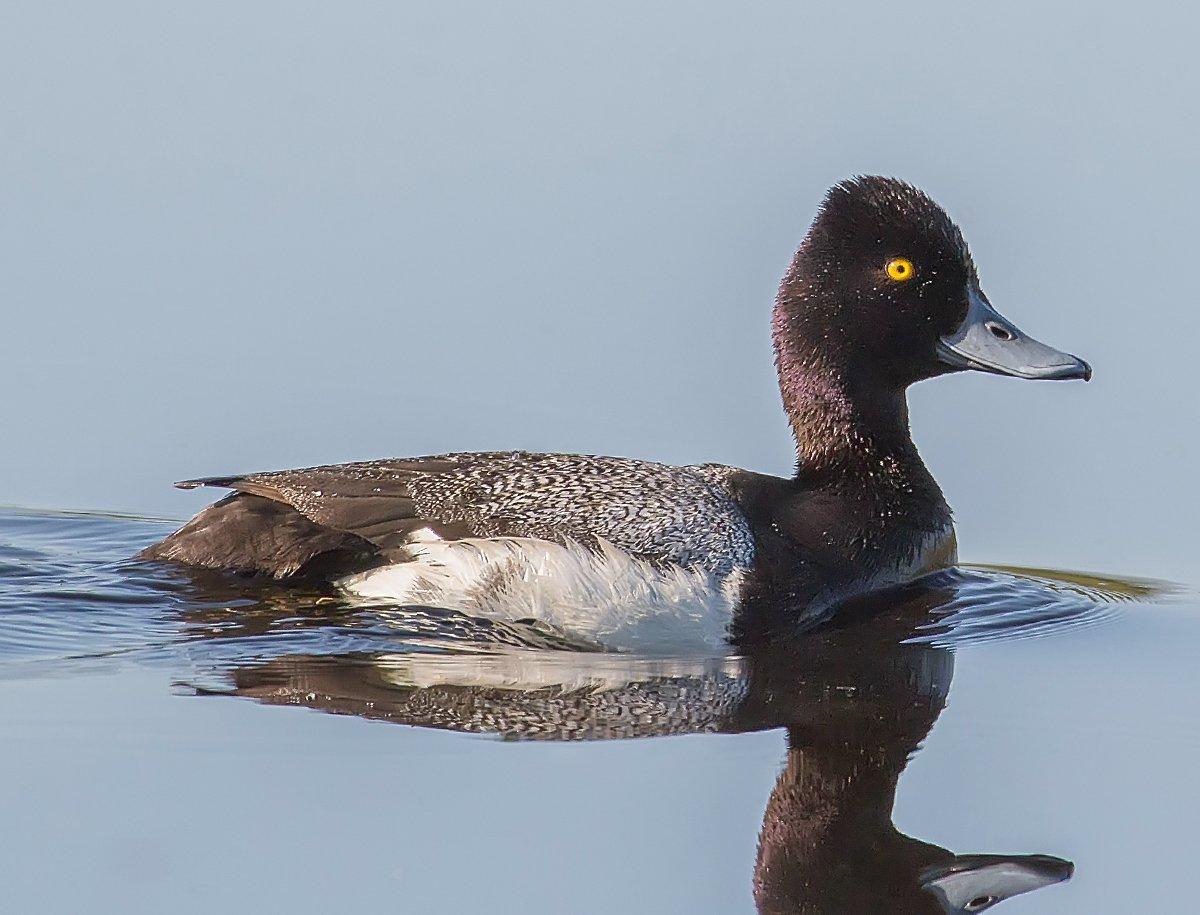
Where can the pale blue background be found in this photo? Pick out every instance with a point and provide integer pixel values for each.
(249, 235)
(244, 236)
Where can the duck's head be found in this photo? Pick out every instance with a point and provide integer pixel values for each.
(884, 288)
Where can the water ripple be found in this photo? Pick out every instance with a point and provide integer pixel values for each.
(68, 593)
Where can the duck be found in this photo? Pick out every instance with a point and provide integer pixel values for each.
(882, 293)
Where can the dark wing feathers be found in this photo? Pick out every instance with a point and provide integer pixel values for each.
(206, 481)
(250, 534)
(679, 514)
(372, 500)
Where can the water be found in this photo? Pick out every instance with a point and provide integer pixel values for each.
(989, 733)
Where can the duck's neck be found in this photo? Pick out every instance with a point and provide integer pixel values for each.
(842, 416)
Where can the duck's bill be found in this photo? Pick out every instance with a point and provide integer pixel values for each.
(986, 341)
(972, 883)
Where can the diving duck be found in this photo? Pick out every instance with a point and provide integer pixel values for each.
(882, 293)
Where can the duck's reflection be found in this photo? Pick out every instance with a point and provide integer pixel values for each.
(856, 700)
(827, 842)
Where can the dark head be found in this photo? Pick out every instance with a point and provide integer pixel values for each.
(884, 291)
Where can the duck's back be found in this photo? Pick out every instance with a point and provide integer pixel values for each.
(682, 515)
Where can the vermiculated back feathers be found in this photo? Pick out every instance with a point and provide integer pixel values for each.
(682, 515)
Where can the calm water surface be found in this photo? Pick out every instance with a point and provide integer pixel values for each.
(182, 743)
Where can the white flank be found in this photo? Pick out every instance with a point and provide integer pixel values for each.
(604, 593)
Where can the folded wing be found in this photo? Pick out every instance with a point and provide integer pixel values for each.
(371, 512)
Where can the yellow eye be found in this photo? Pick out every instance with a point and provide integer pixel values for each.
(900, 269)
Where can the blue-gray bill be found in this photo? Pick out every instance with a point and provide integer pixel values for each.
(973, 883)
(986, 341)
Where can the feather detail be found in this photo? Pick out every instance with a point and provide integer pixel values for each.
(599, 592)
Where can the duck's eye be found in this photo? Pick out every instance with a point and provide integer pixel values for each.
(900, 269)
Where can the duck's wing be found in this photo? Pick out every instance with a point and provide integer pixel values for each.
(683, 515)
